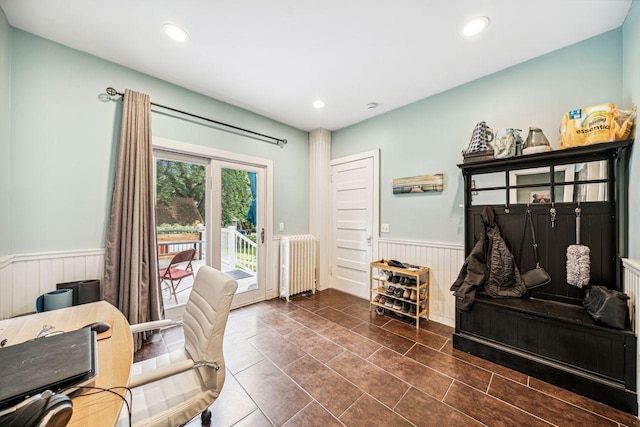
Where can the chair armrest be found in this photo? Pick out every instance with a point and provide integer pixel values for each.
(167, 371)
(150, 326)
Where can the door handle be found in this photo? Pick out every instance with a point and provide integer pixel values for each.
(369, 238)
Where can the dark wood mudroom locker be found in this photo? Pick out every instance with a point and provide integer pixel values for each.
(548, 334)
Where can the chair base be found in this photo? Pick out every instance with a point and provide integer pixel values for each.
(205, 417)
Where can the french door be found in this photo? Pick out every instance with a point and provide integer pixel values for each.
(218, 207)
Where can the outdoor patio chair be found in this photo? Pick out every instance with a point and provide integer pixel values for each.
(172, 388)
(172, 276)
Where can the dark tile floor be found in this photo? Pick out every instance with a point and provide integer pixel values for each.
(325, 360)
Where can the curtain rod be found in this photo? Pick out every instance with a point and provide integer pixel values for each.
(276, 141)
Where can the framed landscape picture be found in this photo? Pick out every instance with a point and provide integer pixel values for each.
(418, 184)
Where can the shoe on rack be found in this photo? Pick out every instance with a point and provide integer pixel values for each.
(398, 292)
(390, 290)
(411, 281)
(397, 305)
(377, 298)
(413, 296)
(380, 311)
(406, 294)
(383, 299)
(389, 302)
(395, 279)
(412, 310)
(406, 307)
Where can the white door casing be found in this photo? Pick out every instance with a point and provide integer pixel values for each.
(355, 193)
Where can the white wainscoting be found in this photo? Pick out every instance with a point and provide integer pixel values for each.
(24, 277)
(631, 286)
(444, 261)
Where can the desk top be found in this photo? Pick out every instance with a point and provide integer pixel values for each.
(115, 355)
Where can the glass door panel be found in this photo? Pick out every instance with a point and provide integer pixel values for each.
(238, 220)
(241, 228)
(181, 228)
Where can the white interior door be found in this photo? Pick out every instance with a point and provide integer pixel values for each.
(354, 196)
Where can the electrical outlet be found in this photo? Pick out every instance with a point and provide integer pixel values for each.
(282, 226)
(384, 228)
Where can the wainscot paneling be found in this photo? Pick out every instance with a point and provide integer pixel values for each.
(444, 260)
(631, 286)
(24, 277)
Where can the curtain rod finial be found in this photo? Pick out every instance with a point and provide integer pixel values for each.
(112, 92)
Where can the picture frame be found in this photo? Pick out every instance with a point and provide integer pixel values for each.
(419, 184)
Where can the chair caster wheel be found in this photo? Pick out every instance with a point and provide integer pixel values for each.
(205, 417)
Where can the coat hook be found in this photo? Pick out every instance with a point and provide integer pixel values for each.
(552, 213)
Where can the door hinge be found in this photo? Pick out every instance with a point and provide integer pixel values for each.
(262, 236)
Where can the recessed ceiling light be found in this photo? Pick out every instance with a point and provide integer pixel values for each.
(318, 104)
(475, 26)
(175, 33)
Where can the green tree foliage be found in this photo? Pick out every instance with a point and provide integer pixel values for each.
(236, 198)
(180, 179)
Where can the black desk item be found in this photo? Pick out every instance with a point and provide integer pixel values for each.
(84, 291)
(54, 363)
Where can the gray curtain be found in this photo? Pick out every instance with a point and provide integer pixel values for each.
(131, 257)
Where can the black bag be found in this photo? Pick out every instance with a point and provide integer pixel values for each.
(537, 276)
(606, 306)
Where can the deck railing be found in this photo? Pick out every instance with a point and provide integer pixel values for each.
(238, 251)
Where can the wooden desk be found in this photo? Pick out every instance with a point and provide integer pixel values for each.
(115, 355)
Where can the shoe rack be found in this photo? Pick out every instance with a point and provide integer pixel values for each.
(406, 288)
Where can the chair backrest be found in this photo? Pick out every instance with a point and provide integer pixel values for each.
(205, 320)
(183, 256)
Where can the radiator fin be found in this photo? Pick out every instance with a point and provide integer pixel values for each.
(297, 265)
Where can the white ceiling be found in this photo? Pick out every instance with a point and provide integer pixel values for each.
(276, 57)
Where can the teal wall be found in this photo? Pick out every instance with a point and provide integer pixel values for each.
(631, 96)
(427, 137)
(64, 143)
(5, 132)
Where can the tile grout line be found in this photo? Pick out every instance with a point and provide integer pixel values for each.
(447, 392)
(489, 385)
